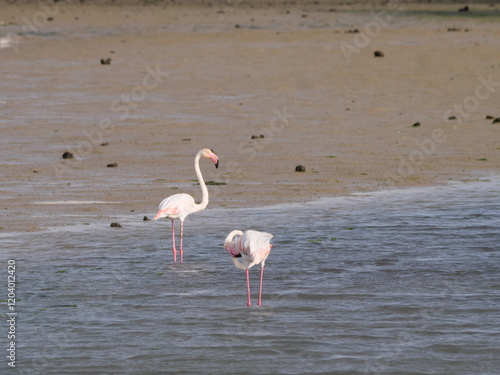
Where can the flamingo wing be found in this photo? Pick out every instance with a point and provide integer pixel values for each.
(255, 246)
(177, 206)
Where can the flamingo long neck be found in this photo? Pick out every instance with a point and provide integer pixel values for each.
(204, 190)
(238, 264)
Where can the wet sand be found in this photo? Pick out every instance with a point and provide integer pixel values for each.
(185, 78)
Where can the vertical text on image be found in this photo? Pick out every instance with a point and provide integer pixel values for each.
(11, 314)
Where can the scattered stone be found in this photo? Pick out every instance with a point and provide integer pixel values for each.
(489, 117)
(496, 121)
(378, 54)
(352, 31)
(452, 118)
(67, 155)
(237, 26)
(300, 168)
(35, 171)
(450, 29)
(186, 139)
(115, 225)
(145, 218)
(105, 144)
(464, 9)
(258, 136)
(415, 125)
(112, 165)
(304, 16)
(50, 18)
(106, 61)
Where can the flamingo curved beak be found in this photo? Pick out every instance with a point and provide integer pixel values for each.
(215, 160)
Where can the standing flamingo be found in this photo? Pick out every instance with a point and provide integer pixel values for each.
(253, 248)
(178, 206)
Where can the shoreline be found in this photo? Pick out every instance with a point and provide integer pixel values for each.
(348, 118)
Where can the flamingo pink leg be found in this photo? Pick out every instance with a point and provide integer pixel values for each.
(249, 303)
(260, 288)
(174, 250)
(182, 236)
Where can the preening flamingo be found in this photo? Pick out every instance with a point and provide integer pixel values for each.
(253, 248)
(178, 206)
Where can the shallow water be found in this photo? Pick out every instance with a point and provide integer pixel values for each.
(398, 282)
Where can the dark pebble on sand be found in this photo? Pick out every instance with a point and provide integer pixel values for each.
(115, 225)
(464, 9)
(105, 144)
(452, 118)
(145, 218)
(489, 117)
(415, 125)
(112, 165)
(300, 168)
(67, 155)
(496, 121)
(378, 54)
(106, 61)
(237, 26)
(258, 136)
(352, 31)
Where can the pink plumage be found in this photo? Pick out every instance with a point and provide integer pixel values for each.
(252, 247)
(179, 206)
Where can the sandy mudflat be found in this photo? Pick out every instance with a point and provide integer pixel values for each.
(183, 78)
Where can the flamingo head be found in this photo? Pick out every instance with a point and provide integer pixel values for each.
(229, 243)
(209, 154)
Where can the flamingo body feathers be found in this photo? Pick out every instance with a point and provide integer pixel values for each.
(252, 246)
(177, 206)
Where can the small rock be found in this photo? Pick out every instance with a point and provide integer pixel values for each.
(300, 168)
(50, 18)
(237, 26)
(115, 225)
(496, 121)
(489, 117)
(145, 218)
(452, 118)
(450, 29)
(304, 16)
(378, 54)
(106, 61)
(112, 165)
(186, 139)
(35, 171)
(258, 136)
(105, 144)
(464, 9)
(415, 125)
(352, 31)
(67, 155)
